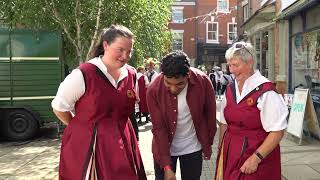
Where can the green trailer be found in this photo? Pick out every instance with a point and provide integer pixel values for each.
(31, 69)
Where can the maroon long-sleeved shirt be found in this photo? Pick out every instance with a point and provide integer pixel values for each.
(163, 107)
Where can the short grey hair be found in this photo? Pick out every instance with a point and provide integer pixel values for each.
(242, 50)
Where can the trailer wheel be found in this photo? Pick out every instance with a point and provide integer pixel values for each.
(20, 125)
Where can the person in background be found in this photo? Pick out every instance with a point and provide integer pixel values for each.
(151, 72)
(252, 121)
(212, 78)
(225, 79)
(98, 141)
(132, 115)
(143, 83)
(181, 102)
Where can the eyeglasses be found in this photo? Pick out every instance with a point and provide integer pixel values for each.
(242, 46)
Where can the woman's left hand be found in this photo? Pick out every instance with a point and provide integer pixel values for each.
(250, 165)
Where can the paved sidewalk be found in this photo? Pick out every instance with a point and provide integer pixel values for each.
(145, 136)
(38, 159)
(300, 162)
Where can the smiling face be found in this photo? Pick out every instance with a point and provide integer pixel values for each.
(241, 70)
(175, 85)
(119, 52)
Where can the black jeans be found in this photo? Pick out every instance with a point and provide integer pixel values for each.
(134, 124)
(190, 166)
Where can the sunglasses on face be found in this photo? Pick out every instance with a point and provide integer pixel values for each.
(242, 46)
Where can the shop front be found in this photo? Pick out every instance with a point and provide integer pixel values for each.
(304, 50)
(211, 55)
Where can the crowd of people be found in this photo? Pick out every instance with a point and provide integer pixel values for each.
(97, 101)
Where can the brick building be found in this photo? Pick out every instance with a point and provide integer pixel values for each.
(204, 29)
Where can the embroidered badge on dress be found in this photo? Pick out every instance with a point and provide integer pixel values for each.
(250, 101)
(130, 94)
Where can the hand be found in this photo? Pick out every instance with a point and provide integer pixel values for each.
(169, 175)
(207, 156)
(250, 165)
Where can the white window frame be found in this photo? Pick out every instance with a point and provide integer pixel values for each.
(222, 10)
(246, 11)
(233, 23)
(217, 32)
(177, 9)
(177, 32)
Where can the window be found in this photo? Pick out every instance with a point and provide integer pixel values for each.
(232, 32)
(223, 5)
(246, 12)
(305, 60)
(177, 14)
(212, 32)
(177, 40)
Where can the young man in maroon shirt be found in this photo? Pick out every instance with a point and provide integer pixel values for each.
(181, 102)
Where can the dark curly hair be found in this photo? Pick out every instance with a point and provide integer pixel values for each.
(175, 64)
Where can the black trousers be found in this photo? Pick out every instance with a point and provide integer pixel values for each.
(134, 124)
(190, 166)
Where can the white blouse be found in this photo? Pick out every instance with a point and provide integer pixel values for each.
(273, 111)
(73, 86)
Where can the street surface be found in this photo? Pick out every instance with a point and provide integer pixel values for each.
(38, 159)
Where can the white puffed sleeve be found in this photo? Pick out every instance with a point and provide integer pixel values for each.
(273, 111)
(69, 92)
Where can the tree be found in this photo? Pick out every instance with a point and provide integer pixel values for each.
(82, 20)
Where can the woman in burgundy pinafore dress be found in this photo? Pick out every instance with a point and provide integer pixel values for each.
(99, 141)
(252, 122)
(142, 82)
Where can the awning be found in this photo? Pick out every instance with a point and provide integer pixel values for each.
(296, 8)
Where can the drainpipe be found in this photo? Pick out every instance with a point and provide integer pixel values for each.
(196, 34)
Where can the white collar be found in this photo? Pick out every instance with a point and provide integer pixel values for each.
(250, 84)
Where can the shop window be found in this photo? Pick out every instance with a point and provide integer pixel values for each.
(306, 61)
(212, 32)
(177, 41)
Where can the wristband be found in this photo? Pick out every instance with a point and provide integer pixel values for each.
(167, 167)
(259, 155)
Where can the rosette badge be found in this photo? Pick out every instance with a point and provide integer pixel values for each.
(130, 94)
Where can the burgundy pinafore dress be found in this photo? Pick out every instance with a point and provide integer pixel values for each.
(244, 135)
(101, 133)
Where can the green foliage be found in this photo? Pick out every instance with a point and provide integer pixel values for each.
(146, 18)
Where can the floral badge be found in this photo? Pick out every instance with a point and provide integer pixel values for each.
(131, 94)
(250, 101)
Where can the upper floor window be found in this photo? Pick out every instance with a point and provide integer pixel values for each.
(223, 5)
(212, 32)
(177, 14)
(232, 32)
(246, 12)
(177, 40)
